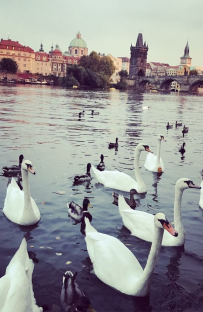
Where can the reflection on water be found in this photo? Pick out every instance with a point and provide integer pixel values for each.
(43, 123)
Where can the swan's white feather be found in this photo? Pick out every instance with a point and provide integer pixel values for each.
(151, 163)
(18, 293)
(115, 179)
(201, 196)
(14, 204)
(113, 262)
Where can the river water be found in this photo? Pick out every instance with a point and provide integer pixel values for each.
(42, 123)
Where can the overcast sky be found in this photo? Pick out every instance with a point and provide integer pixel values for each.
(108, 26)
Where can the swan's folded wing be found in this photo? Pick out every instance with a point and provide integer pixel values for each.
(140, 223)
(150, 161)
(113, 262)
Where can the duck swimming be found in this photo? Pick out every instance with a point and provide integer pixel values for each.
(122, 181)
(19, 206)
(130, 201)
(182, 148)
(138, 221)
(153, 162)
(12, 171)
(75, 211)
(115, 265)
(72, 297)
(101, 165)
(168, 126)
(114, 145)
(16, 290)
(178, 124)
(83, 177)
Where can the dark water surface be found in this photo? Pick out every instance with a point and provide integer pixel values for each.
(42, 123)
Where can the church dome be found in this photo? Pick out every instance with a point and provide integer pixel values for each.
(78, 42)
(57, 52)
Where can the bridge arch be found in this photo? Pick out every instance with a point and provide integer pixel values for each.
(166, 84)
(195, 85)
(143, 83)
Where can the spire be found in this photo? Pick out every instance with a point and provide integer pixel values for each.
(139, 42)
(41, 48)
(145, 44)
(186, 51)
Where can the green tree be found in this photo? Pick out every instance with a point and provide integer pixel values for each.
(123, 74)
(8, 65)
(193, 72)
(106, 66)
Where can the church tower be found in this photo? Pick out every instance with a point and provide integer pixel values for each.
(138, 58)
(186, 59)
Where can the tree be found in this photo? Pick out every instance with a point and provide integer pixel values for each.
(193, 72)
(106, 66)
(123, 74)
(8, 65)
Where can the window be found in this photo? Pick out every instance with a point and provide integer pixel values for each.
(75, 61)
(7, 53)
(76, 51)
(24, 65)
(24, 59)
(18, 53)
(81, 52)
(38, 57)
(19, 58)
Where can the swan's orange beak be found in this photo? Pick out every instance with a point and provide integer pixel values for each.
(30, 169)
(148, 150)
(168, 227)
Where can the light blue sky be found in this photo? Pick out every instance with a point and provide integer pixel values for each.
(108, 26)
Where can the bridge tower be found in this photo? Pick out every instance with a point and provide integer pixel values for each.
(138, 58)
(186, 59)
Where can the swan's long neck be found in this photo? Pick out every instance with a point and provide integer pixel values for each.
(28, 209)
(177, 210)
(151, 261)
(136, 165)
(158, 152)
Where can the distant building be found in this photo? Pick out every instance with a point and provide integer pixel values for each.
(24, 56)
(125, 63)
(138, 58)
(186, 59)
(158, 69)
(77, 47)
(115, 78)
(172, 70)
(42, 62)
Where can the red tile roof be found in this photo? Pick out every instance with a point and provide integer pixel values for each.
(14, 45)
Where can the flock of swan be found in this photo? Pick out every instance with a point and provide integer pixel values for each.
(110, 257)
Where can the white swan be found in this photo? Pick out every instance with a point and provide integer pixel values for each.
(16, 292)
(154, 162)
(121, 181)
(141, 223)
(19, 206)
(116, 265)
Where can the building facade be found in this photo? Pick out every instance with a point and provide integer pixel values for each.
(117, 61)
(24, 56)
(138, 58)
(125, 63)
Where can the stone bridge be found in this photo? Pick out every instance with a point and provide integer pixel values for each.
(162, 83)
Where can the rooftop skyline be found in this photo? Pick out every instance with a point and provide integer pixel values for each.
(108, 27)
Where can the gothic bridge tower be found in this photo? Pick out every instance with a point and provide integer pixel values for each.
(138, 58)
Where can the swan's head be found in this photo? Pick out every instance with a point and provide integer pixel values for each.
(143, 147)
(185, 183)
(161, 137)
(161, 222)
(86, 204)
(27, 165)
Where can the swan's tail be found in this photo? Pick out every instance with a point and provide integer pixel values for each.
(89, 228)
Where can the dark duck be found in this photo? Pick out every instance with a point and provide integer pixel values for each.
(182, 148)
(178, 124)
(114, 145)
(14, 170)
(130, 201)
(83, 177)
(73, 299)
(75, 211)
(101, 165)
(185, 130)
(168, 126)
